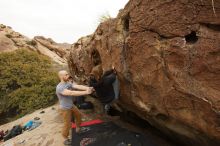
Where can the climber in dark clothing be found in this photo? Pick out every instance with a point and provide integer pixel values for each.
(106, 85)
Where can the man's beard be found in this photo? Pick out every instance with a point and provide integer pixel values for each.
(65, 80)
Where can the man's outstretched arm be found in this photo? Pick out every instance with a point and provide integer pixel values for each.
(67, 92)
(81, 87)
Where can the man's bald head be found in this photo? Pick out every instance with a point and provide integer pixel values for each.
(63, 75)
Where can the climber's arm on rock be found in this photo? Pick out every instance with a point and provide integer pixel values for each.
(67, 92)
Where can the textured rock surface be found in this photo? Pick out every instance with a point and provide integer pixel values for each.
(60, 49)
(167, 55)
(11, 40)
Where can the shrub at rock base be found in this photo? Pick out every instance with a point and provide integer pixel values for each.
(27, 83)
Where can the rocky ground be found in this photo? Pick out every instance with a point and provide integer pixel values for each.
(49, 133)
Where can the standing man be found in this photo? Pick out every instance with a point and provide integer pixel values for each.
(65, 92)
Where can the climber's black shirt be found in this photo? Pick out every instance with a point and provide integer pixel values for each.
(104, 89)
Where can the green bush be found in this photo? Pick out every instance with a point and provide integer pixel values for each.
(104, 17)
(27, 83)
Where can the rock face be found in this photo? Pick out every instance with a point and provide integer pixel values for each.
(60, 49)
(167, 55)
(11, 40)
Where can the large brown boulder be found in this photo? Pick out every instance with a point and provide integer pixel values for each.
(167, 54)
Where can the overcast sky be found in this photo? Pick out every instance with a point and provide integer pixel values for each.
(62, 20)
